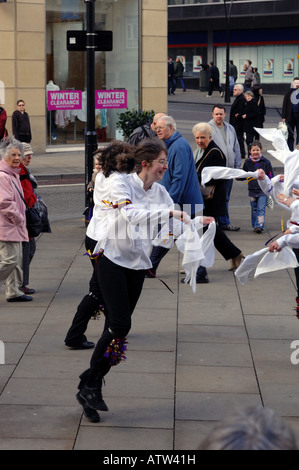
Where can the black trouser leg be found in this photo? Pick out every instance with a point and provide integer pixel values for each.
(86, 309)
(296, 270)
(121, 289)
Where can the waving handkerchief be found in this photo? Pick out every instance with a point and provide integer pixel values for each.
(197, 251)
(222, 172)
(283, 259)
(265, 262)
(279, 143)
(248, 264)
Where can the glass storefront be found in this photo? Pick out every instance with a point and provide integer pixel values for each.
(66, 71)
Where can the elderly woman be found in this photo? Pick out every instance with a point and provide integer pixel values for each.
(13, 229)
(209, 154)
(28, 183)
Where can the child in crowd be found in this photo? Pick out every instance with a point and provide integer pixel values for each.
(258, 199)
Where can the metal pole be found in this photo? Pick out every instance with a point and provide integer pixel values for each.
(90, 132)
(227, 18)
(227, 90)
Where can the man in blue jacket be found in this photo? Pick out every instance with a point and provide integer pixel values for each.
(181, 181)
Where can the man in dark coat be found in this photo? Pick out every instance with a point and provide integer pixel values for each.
(235, 118)
(171, 79)
(146, 131)
(290, 112)
(214, 80)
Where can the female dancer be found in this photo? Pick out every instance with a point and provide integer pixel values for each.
(123, 202)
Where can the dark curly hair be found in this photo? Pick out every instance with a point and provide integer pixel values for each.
(118, 156)
(148, 150)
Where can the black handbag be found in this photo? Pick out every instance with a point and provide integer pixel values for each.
(33, 220)
(42, 210)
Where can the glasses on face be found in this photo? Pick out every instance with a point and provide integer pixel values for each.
(159, 128)
(163, 162)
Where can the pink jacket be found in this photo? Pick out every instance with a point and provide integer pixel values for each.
(12, 208)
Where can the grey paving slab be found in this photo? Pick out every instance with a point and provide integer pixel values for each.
(213, 379)
(101, 438)
(203, 312)
(189, 434)
(13, 444)
(207, 354)
(212, 334)
(211, 406)
(38, 422)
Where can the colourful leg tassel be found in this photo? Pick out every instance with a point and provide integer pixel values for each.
(97, 314)
(116, 351)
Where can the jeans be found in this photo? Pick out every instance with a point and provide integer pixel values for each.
(182, 82)
(258, 211)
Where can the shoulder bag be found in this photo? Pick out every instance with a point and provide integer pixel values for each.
(207, 191)
(33, 220)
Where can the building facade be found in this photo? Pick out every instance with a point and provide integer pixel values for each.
(36, 66)
(263, 31)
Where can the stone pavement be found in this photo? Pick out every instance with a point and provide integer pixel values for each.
(191, 359)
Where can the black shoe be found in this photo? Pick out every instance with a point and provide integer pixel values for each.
(22, 298)
(93, 398)
(90, 413)
(199, 280)
(83, 345)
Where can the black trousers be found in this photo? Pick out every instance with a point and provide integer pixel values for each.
(224, 245)
(121, 288)
(89, 305)
(296, 270)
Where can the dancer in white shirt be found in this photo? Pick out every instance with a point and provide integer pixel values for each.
(127, 208)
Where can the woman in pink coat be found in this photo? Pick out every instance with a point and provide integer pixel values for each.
(12, 220)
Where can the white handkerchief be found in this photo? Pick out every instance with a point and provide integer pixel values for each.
(197, 251)
(265, 262)
(248, 264)
(222, 172)
(283, 259)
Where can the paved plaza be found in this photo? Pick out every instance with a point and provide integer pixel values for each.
(192, 358)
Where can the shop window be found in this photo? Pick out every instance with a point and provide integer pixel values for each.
(66, 71)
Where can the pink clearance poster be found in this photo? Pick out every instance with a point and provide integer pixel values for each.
(64, 100)
(111, 99)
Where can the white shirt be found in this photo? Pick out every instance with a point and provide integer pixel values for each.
(125, 217)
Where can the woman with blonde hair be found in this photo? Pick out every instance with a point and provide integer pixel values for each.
(209, 154)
